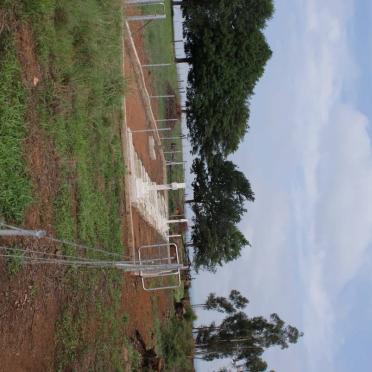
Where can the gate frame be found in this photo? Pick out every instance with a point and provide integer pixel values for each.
(148, 274)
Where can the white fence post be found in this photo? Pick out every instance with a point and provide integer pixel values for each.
(146, 17)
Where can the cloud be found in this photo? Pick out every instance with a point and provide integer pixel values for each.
(308, 155)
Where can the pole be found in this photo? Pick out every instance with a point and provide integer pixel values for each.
(20, 232)
(172, 138)
(146, 17)
(183, 220)
(165, 120)
(150, 130)
(170, 186)
(157, 65)
(176, 162)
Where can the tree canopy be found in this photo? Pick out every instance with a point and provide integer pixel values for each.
(227, 52)
(242, 338)
(221, 304)
(220, 192)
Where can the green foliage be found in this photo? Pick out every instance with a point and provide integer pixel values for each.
(220, 191)
(226, 305)
(15, 186)
(227, 52)
(176, 344)
(244, 339)
(14, 263)
(79, 106)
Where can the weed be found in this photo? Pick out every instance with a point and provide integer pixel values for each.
(14, 263)
(34, 291)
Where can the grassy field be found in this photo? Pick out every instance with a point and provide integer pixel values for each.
(15, 186)
(79, 108)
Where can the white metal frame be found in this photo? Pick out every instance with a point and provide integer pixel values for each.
(170, 269)
(147, 17)
(150, 203)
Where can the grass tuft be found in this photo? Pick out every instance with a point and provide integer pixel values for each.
(15, 186)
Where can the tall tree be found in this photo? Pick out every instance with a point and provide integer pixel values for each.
(220, 192)
(221, 304)
(227, 52)
(244, 339)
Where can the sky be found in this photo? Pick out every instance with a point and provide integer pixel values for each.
(308, 156)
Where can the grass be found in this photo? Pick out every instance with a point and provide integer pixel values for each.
(174, 343)
(158, 36)
(96, 331)
(14, 264)
(79, 107)
(15, 186)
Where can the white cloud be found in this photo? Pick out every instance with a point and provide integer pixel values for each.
(310, 161)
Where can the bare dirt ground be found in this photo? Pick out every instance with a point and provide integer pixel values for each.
(30, 302)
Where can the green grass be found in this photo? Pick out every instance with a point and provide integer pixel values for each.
(174, 343)
(174, 340)
(79, 107)
(15, 186)
(158, 36)
(14, 264)
(97, 329)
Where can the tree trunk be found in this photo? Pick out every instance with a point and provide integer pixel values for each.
(200, 328)
(182, 60)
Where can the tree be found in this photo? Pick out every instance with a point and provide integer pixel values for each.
(221, 304)
(220, 192)
(244, 339)
(227, 52)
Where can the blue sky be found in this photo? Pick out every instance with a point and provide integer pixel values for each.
(308, 155)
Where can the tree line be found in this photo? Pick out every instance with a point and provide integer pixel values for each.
(227, 52)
